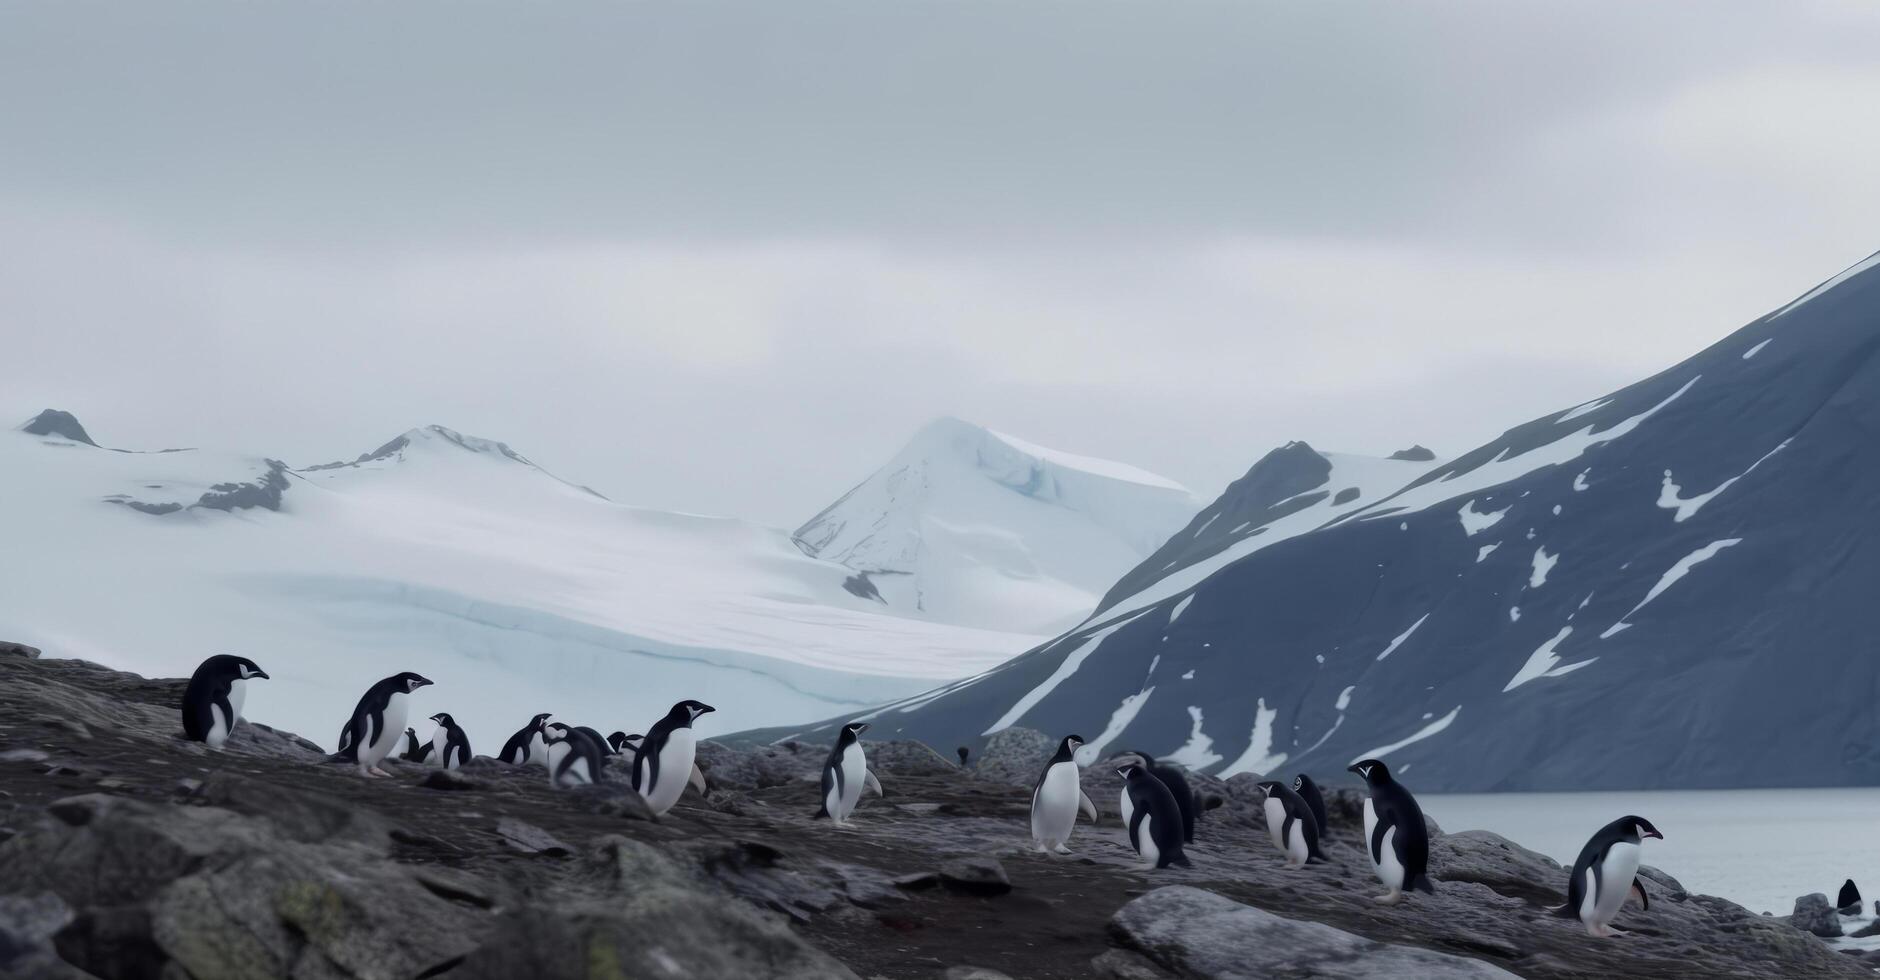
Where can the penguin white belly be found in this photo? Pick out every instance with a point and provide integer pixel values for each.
(440, 740)
(675, 767)
(1615, 881)
(1389, 869)
(380, 744)
(1054, 806)
(538, 751)
(1145, 841)
(220, 726)
(854, 774)
(1276, 821)
(1126, 808)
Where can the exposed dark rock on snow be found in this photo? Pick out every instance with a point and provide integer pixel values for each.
(264, 492)
(53, 422)
(1415, 454)
(1542, 612)
(135, 853)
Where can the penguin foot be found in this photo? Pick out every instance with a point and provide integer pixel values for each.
(1061, 849)
(1391, 899)
(375, 771)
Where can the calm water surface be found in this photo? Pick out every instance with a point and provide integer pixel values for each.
(1759, 848)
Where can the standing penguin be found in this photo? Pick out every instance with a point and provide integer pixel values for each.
(1606, 874)
(664, 765)
(1309, 792)
(212, 704)
(622, 743)
(1395, 835)
(1169, 776)
(572, 758)
(1289, 820)
(1154, 822)
(1848, 902)
(372, 731)
(845, 775)
(1058, 798)
(526, 745)
(450, 747)
(415, 751)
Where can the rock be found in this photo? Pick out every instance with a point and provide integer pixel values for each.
(23, 755)
(1126, 964)
(610, 799)
(448, 779)
(27, 925)
(1814, 914)
(18, 650)
(1495, 861)
(1016, 756)
(1870, 929)
(918, 881)
(1202, 935)
(762, 767)
(1415, 454)
(905, 758)
(530, 839)
(1848, 902)
(976, 875)
(973, 973)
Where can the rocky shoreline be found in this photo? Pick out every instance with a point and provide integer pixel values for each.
(128, 852)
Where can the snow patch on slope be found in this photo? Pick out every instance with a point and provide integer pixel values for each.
(1541, 662)
(1433, 728)
(1065, 669)
(1259, 758)
(1670, 494)
(1398, 641)
(1671, 576)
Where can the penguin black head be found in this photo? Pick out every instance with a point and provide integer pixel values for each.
(1371, 771)
(537, 721)
(1129, 770)
(852, 732)
(687, 712)
(1129, 759)
(554, 731)
(409, 681)
(1073, 742)
(1643, 828)
(1299, 783)
(240, 668)
(1270, 787)
(964, 753)
(443, 719)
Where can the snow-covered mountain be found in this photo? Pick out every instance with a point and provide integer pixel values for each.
(971, 526)
(455, 556)
(1673, 585)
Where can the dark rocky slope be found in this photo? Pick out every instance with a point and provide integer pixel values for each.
(125, 852)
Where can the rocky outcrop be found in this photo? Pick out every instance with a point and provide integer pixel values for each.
(125, 851)
(53, 422)
(1202, 935)
(1814, 913)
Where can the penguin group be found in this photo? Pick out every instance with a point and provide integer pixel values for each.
(1158, 807)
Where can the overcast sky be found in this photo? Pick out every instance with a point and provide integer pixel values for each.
(727, 257)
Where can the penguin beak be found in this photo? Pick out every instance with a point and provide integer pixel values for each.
(860, 729)
(261, 674)
(1654, 833)
(705, 708)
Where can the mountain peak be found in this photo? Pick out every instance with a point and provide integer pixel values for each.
(53, 422)
(994, 451)
(1415, 454)
(430, 435)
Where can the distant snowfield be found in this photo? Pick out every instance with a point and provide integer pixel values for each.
(515, 592)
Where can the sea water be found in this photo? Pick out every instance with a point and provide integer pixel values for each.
(1759, 848)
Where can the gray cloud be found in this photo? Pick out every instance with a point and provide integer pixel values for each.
(725, 257)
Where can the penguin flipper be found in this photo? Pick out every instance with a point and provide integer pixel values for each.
(1086, 807)
(1638, 889)
(870, 782)
(697, 781)
(1385, 822)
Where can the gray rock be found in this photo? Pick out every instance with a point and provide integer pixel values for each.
(762, 767)
(1016, 756)
(905, 758)
(1126, 964)
(18, 650)
(27, 925)
(1814, 913)
(448, 779)
(530, 839)
(976, 875)
(973, 973)
(1202, 935)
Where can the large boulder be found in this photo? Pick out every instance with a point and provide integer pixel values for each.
(1204, 936)
(1016, 756)
(1814, 913)
(729, 767)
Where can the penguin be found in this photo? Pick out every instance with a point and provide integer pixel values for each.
(372, 731)
(1309, 791)
(664, 764)
(605, 746)
(1057, 799)
(415, 751)
(1154, 821)
(1289, 819)
(526, 747)
(1394, 832)
(571, 757)
(1606, 874)
(1170, 777)
(212, 704)
(450, 747)
(964, 752)
(622, 743)
(1848, 902)
(845, 775)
